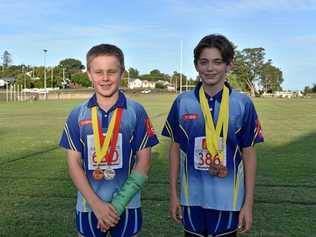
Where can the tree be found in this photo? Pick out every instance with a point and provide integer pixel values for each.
(240, 73)
(272, 77)
(6, 59)
(71, 66)
(237, 83)
(154, 75)
(248, 66)
(254, 59)
(133, 72)
(81, 79)
(311, 89)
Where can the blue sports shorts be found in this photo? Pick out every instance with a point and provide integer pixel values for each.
(130, 224)
(208, 222)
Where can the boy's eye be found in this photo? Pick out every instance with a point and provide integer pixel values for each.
(218, 62)
(203, 62)
(111, 72)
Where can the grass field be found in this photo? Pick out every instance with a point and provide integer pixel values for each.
(37, 197)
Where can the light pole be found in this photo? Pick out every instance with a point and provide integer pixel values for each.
(181, 64)
(24, 80)
(52, 75)
(45, 52)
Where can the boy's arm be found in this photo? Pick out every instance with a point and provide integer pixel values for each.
(135, 181)
(104, 212)
(174, 157)
(143, 163)
(245, 216)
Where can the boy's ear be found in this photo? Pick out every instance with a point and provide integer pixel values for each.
(89, 76)
(229, 67)
(122, 74)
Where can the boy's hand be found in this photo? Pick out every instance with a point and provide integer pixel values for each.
(106, 215)
(175, 209)
(245, 219)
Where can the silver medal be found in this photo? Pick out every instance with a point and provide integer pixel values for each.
(109, 173)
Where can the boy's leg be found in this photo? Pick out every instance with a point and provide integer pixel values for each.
(87, 225)
(188, 234)
(193, 221)
(221, 223)
(229, 234)
(129, 225)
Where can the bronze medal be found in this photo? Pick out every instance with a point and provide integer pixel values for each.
(109, 173)
(98, 174)
(212, 171)
(214, 167)
(223, 172)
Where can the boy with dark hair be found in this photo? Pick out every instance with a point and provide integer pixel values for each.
(213, 130)
(108, 141)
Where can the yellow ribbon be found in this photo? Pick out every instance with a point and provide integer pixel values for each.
(213, 134)
(101, 150)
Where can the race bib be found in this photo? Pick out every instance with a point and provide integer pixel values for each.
(117, 159)
(202, 158)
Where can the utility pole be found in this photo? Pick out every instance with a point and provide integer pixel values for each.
(45, 52)
(23, 76)
(181, 64)
(52, 75)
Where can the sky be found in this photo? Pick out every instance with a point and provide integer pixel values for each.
(151, 33)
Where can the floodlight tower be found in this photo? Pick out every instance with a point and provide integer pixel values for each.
(45, 52)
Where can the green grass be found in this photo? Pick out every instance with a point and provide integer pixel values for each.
(37, 197)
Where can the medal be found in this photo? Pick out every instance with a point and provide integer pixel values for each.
(217, 169)
(216, 135)
(213, 171)
(98, 174)
(216, 161)
(223, 172)
(105, 145)
(109, 173)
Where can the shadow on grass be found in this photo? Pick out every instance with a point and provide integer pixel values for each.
(31, 155)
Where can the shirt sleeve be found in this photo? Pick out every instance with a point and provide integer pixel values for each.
(70, 138)
(251, 132)
(144, 133)
(172, 127)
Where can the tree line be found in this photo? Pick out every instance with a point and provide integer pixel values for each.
(251, 73)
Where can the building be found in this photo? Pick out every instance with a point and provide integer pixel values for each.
(7, 81)
(137, 83)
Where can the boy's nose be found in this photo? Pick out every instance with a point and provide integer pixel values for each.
(105, 76)
(210, 67)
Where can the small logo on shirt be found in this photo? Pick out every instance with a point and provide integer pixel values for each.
(149, 127)
(84, 122)
(187, 117)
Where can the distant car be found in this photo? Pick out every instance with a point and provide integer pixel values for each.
(145, 91)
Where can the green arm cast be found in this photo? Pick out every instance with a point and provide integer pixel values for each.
(133, 184)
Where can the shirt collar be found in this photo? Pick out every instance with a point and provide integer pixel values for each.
(218, 95)
(121, 102)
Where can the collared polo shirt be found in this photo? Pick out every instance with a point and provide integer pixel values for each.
(136, 133)
(185, 125)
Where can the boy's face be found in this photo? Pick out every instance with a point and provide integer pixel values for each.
(105, 73)
(211, 67)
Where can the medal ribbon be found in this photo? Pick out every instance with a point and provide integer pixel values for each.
(102, 143)
(212, 133)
